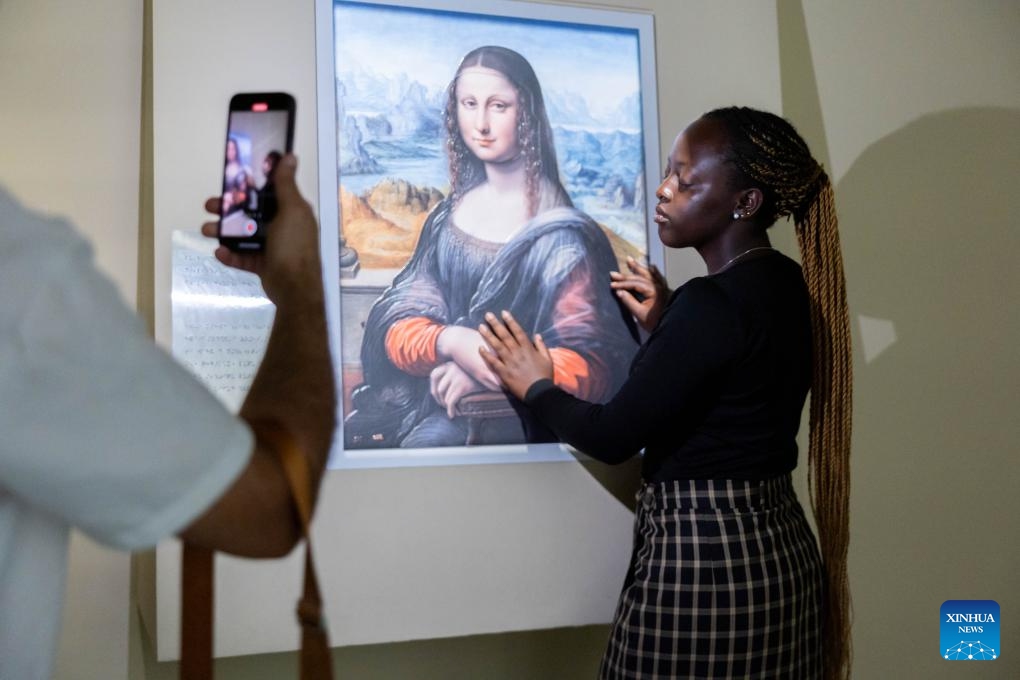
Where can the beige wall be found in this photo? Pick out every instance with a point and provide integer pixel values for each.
(70, 78)
(916, 107)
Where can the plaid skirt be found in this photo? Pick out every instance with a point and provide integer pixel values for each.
(725, 581)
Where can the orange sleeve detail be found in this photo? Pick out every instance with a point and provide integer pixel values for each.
(411, 344)
(572, 373)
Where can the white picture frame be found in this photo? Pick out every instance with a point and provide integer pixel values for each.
(367, 59)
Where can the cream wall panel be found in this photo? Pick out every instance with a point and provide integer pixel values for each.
(70, 88)
(883, 64)
(920, 103)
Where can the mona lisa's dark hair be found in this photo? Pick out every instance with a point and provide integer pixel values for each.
(769, 154)
(534, 134)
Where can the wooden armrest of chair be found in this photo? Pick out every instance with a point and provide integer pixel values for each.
(485, 405)
(483, 411)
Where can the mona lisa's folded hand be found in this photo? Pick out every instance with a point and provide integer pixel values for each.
(449, 383)
(516, 360)
(460, 345)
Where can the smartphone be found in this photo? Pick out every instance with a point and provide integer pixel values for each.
(260, 131)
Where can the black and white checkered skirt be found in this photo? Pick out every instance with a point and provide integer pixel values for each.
(725, 582)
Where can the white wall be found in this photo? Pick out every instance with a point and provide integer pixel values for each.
(70, 83)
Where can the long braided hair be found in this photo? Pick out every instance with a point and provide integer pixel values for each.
(534, 133)
(769, 153)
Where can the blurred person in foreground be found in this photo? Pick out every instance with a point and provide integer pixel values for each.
(106, 433)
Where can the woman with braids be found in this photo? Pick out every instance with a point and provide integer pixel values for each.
(506, 237)
(726, 579)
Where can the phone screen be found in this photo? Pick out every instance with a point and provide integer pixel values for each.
(259, 133)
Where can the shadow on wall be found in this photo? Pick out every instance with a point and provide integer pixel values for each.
(930, 224)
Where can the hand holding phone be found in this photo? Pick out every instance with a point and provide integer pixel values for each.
(292, 268)
(260, 131)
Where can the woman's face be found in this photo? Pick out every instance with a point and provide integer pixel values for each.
(231, 150)
(696, 199)
(487, 107)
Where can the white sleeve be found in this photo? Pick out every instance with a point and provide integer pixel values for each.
(101, 428)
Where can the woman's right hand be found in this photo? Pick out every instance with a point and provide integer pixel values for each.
(461, 345)
(289, 266)
(650, 284)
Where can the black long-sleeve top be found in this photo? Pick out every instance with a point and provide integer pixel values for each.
(718, 388)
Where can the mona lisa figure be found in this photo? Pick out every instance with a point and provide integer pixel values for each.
(506, 237)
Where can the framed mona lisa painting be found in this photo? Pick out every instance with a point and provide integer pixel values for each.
(477, 157)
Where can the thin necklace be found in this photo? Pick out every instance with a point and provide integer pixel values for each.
(746, 252)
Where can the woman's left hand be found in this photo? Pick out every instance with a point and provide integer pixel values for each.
(650, 284)
(515, 359)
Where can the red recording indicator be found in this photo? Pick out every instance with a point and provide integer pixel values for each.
(260, 106)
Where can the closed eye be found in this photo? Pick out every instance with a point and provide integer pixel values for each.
(680, 183)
